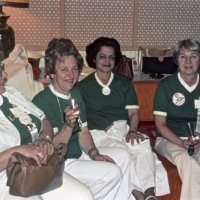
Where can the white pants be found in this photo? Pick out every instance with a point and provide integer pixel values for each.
(145, 169)
(103, 178)
(188, 167)
(70, 189)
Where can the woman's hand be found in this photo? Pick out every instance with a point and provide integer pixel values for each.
(71, 115)
(134, 135)
(196, 146)
(185, 144)
(32, 151)
(46, 148)
(100, 157)
(195, 143)
(95, 155)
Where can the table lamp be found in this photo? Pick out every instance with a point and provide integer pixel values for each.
(7, 36)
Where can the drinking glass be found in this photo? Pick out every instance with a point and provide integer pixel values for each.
(192, 131)
(194, 137)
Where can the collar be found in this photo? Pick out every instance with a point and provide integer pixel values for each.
(99, 81)
(58, 94)
(187, 87)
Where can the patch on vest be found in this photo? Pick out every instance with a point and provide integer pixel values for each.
(178, 99)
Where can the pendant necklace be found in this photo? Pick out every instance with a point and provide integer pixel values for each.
(105, 90)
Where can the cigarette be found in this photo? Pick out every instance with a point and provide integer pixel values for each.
(73, 103)
(73, 106)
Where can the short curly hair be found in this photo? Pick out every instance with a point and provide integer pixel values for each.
(56, 50)
(187, 44)
(93, 48)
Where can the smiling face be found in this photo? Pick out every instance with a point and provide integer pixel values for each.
(188, 62)
(66, 74)
(105, 59)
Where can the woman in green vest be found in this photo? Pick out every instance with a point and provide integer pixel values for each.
(177, 111)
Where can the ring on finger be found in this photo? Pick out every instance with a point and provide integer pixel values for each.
(40, 154)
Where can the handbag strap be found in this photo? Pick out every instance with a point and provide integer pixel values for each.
(60, 150)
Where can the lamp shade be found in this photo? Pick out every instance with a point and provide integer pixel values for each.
(15, 3)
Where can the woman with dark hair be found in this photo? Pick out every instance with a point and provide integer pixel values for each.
(65, 108)
(112, 116)
(92, 50)
(177, 111)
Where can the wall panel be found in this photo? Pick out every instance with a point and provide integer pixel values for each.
(133, 22)
(87, 20)
(164, 22)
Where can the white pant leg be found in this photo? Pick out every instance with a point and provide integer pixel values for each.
(188, 167)
(102, 141)
(103, 178)
(70, 189)
(142, 167)
(145, 169)
(123, 159)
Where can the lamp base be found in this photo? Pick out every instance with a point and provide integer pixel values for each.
(156, 75)
(7, 36)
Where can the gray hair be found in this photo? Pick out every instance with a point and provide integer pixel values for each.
(187, 44)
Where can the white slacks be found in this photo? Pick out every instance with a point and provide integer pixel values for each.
(71, 189)
(103, 178)
(145, 169)
(188, 167)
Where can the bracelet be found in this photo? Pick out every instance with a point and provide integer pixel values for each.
(69, 125)
(91, 154)
(46, 138)
(132, 128)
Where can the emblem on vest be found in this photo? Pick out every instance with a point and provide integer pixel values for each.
(178, 99)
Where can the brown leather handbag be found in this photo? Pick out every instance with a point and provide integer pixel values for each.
(125, 67)
(26, 178)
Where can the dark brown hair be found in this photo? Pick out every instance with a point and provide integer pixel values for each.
(93, 48)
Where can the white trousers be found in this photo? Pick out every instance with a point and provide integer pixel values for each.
(70, 189)
(188, 167)
(103, 178)
(145, 169)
